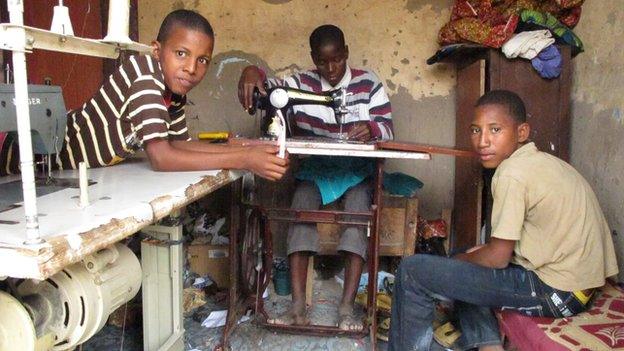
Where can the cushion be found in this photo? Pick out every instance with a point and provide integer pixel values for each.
(599, 328)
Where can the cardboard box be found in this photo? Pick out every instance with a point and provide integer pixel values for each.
(397, 228)
(212, 260)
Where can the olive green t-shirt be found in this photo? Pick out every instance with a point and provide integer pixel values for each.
(551, 211)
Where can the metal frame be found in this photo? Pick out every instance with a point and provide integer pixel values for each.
(162, 262)
(241, 298)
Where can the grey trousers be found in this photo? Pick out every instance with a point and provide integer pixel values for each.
(305, 237)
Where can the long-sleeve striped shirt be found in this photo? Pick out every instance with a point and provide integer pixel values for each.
(128, 110)
(368, 102)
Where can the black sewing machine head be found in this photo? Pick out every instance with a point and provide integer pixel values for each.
(284, 97)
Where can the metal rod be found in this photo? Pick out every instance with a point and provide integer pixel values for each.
(16, 15)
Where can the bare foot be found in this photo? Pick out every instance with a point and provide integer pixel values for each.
(347, 320)
(296, 315)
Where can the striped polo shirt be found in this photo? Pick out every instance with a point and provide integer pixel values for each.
(128, 110)
(367, 101)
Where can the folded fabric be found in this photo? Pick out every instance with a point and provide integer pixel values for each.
(334, 175)
(491, 22)
(568, 4)
(398, 183)
(528, 44)
(559, 30)
(548, 62)
(474, 30)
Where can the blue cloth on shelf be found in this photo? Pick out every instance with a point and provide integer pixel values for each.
(548, 62)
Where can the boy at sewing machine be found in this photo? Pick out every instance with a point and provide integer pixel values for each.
(325, 180)
(549, 250)
(141, 105)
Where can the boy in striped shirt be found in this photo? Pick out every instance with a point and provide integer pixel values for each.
(368, 118)
(141, 105)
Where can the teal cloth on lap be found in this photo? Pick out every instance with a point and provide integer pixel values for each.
(334, 175)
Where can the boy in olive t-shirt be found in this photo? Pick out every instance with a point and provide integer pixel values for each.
(550, 245)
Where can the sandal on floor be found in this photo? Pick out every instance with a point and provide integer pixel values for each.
(446, 335)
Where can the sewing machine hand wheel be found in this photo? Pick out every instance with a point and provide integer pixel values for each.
(255, 254)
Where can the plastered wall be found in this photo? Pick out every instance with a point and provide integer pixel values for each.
(394, 38)
(597, 145)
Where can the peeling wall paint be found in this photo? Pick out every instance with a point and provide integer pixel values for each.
(393, 38)
(597, 143)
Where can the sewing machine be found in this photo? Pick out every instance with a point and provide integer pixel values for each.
(279, 98)
(48, 119)
(48, 116)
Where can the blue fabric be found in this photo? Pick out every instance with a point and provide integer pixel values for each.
(398, 183)
(334, 175)
(548, 62)
(421, 279)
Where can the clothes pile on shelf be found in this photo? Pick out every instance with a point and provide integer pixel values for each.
(528, 29)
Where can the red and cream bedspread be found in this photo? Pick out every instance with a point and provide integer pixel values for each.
(600, 328)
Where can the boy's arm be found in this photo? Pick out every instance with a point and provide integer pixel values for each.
(379, 126)
(496, 253)
(262, 160)
(251, 78)
(254, 77)
(508, 215)
(204, 146)
(380, 112)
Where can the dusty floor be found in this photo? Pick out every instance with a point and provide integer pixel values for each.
(248, 336)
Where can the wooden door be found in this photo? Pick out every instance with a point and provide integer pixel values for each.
(468, 179)
(547, 100)
(78, 76)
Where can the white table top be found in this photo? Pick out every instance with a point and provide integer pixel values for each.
(126, 198)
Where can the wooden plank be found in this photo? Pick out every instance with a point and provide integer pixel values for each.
(397, 230)
(310, 281)
(411, 227)
(324, 146)
(391, 231)
(431, 149)
(468, 178)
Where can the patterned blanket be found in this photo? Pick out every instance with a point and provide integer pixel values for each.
(492, 22)
(600, 328)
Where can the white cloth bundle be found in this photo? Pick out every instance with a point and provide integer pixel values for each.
(528, 44)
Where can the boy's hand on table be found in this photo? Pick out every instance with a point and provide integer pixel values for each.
(360, 131)
(250, 78)
(263, 161)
